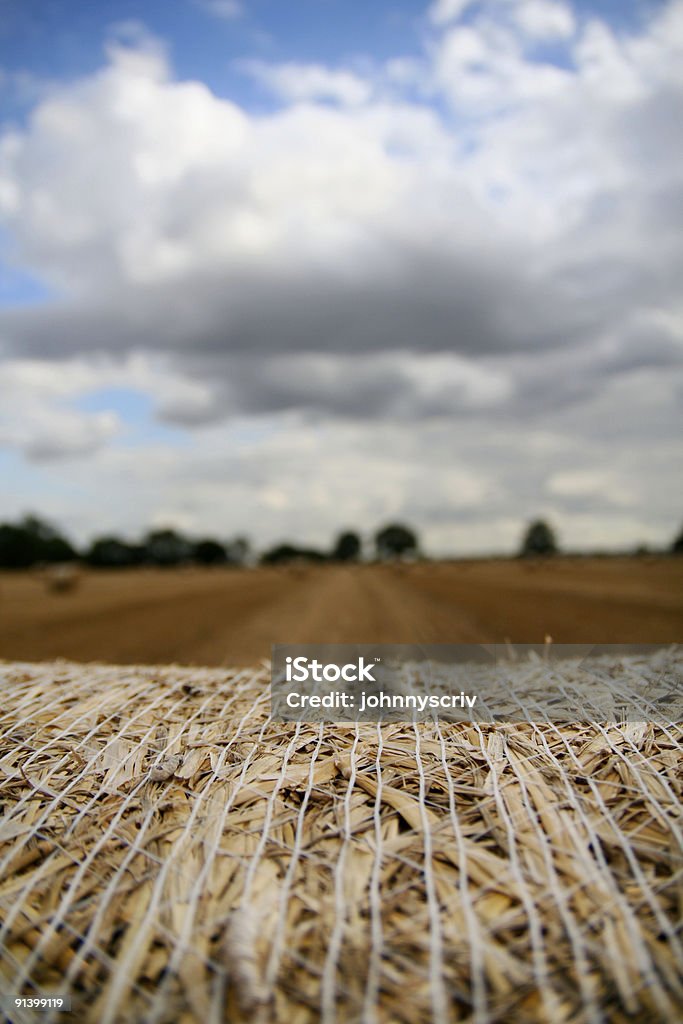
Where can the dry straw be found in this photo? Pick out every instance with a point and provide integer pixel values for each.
(170, 854)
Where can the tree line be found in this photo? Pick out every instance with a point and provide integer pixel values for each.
(33, 541)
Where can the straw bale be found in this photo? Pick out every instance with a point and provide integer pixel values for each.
(169, 853)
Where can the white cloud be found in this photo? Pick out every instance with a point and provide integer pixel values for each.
(442, 12)
(302, 82)
(591, 483)
(545, 19)
(483, 71)
(463, 484)
(537, 19)
(37, 418)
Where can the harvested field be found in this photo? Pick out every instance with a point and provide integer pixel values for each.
(170, 854)
(231, 617)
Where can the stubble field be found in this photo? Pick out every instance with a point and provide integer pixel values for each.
(231, 617)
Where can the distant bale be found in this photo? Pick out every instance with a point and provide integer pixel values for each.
(62, 578)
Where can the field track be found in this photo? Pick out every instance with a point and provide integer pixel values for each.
(231, 617)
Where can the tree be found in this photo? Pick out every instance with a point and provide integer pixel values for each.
(677, 546)
(539, 539)
(209, 552)
(347, 548)
(30, 541)
(166, 547)
(58, 549)
(395, 541)
(17, 547)
(283, 553)
(50, 545)
(112, 553)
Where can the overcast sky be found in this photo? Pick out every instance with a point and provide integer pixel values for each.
(281, 269)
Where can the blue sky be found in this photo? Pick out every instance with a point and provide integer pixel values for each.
(294, 267)
(63, 39)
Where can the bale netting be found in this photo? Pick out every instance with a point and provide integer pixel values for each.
(169, 853)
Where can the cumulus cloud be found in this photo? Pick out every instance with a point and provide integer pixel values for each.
(483, 239)
(582, 483)
(301, 82)
(545, 19)
(443, 11)
(36, 417)
(465, 486)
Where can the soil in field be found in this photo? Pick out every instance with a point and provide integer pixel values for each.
(231, 617)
